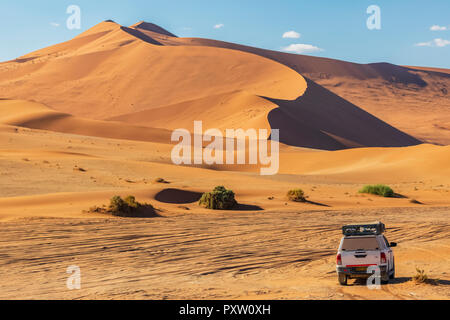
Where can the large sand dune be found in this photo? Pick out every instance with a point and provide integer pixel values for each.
(413, 99)
(107, 72)
(100, 75)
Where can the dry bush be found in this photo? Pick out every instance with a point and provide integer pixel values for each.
(420, 276)
(296, 195)
(128, 208)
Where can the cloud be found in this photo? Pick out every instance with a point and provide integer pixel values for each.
(302, 48)
(424, 44)
(291, 35)
(434, 43)
(437, 28)
(219, 26)
(54, 24)
(441, 42)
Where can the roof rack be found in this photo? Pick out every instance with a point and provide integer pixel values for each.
(366, 229)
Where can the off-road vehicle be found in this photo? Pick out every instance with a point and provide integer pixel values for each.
(364, 246)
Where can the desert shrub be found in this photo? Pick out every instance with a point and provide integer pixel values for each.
(219, 199)
(379, 190)
(296, 195)
(160, 180)
(117, 204)
(420, 276)
(128, 207)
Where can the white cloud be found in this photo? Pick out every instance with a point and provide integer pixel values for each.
(54, 24)
(438, 28)
(441, 42)
(291, 35)
(434, 43)
(219, 26)
(424, 44)
(302, 48)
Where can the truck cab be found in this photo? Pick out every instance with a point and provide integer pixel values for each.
(362, 249)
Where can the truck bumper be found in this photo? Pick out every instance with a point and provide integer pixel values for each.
(359, 272)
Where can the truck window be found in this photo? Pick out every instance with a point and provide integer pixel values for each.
(360, 243)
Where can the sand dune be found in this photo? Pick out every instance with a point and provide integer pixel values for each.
(109, 71)
(37, 116)
(322, 120)
(315, 66)
(230, 110)
(434, 70)
(224, 87)
(396, 94)
(386, 165)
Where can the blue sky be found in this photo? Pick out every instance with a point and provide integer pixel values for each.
(327, 28)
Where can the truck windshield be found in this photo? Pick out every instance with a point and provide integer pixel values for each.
(360, 243)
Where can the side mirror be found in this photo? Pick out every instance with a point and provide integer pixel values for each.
(393, 244)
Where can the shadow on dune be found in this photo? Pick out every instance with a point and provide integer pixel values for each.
(435, 282)
(443, 282)
(153, 28)
(177, 196)
(363, 281)
(318, 204)
(146, 211)
(321, 119)
(397, 74)
(246, 207)
(138, 34)
(400, 280)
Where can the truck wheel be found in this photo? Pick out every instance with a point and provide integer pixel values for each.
(385, 278)
(392, 276)
(342, 279)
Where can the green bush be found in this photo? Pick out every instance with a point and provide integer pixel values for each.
(127, 207)
(219, 199)
(117, 204)
(296, 195)
(379, 190)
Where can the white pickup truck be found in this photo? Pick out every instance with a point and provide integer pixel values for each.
(364, 246)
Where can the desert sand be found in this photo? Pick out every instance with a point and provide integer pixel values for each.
(91, 118)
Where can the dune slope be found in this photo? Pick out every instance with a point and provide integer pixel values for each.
(37, 116)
